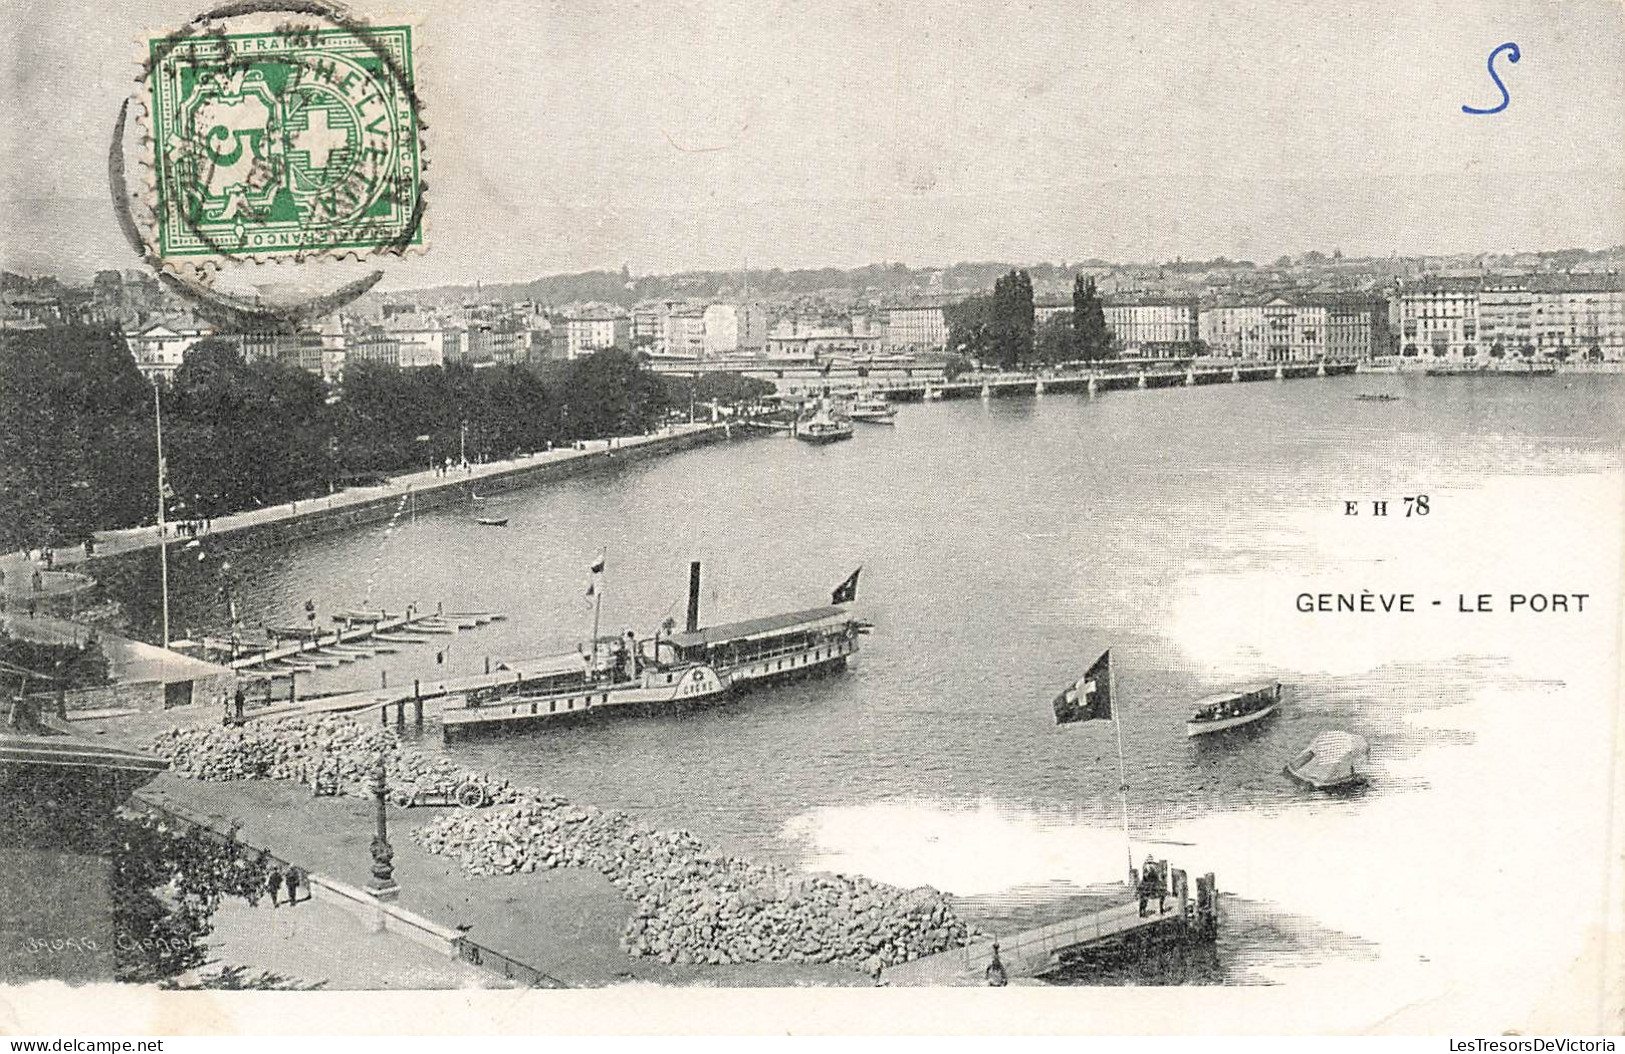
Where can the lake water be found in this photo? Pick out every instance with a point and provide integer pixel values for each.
(1005, 543)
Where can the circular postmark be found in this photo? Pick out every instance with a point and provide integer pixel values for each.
(275, 130)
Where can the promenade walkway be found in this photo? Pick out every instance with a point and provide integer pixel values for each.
(566, 922)
(315, 942)
(18, 567)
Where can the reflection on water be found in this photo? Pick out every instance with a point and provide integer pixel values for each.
(1005, 544)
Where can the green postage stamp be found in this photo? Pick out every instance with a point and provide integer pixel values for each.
(296, 142)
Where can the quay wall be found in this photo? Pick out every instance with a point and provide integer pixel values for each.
(320, 520)
(318, 516)
(125, 571)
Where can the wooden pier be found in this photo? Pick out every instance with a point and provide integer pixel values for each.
(361, 635)
(1060, 945)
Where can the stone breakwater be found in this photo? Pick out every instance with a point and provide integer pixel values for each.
(329, 753)
(690, 904)
(694, 905)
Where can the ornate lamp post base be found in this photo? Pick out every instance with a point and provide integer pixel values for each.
(382, 885)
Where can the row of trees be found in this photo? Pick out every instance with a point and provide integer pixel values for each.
(78, 451)
(997, 329)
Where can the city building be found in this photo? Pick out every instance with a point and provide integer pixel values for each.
(375, 346)
(420, 340)
(487, 343)
(917, 327)
(1438, 318)
(302, 349)
(1296, 328)
(1043, 312)
(596, 327)
(1357, 326)
(1553, 316)
(159, 349)
(682, 332)
(647, 324)
(1234, 331)
(28, 310)
(808, 340)
(735, 329)
(1153, 327)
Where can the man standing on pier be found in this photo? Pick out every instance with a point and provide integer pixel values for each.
(1151, 886)
(996, 977)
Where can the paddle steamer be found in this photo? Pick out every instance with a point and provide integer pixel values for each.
(672, 669)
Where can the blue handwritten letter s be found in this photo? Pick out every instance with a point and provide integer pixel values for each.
(1513, 55)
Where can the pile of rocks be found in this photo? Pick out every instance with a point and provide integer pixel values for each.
(693, 905)
(335, 754)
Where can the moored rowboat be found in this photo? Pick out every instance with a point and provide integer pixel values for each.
(1329, 761)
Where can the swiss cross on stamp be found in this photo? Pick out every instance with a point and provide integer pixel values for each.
(292, 142)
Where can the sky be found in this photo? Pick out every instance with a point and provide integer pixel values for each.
(676, 135)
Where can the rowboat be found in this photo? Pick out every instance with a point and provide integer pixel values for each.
(1233, 709)
(1329, 761)
(492, 521)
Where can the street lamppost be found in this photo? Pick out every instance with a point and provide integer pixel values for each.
(383, 885)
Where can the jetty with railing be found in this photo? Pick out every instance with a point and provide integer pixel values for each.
(1060, 946)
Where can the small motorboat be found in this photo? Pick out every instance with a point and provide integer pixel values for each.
(1227, 710)
(1331, 761)
(492, 521)
(874, 410)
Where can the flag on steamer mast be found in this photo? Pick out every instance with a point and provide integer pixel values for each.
(847, 591)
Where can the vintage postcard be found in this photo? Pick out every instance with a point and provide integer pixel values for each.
(963, 517)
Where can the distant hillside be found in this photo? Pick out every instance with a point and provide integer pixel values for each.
(620, 287)
(877, 282)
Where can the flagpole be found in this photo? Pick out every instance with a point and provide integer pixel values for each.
(1122, 770)
(597, 607)
(163, 541)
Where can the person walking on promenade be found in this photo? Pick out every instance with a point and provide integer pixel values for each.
(273, 884)
(293, 879)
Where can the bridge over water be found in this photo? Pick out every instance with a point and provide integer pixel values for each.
(1148, 375)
